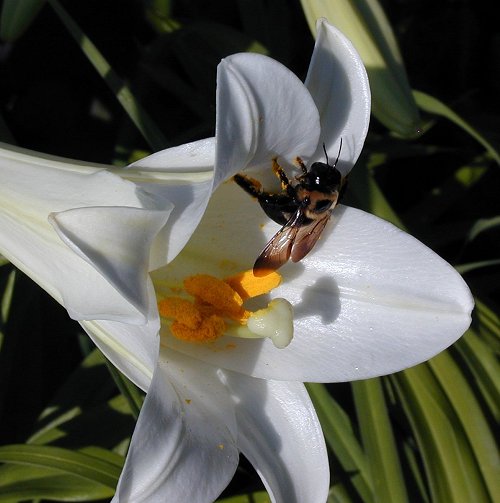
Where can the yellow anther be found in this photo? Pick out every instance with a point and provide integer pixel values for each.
(247, 285)
(215, 292)
(216, 300)
(182, 310)
(209, 330)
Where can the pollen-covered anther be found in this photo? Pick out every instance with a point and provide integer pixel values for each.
(209, 330)
(181, 310)
(217, 308)
(215, 292)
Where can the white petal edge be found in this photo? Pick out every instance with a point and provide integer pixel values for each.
(280, 434)
(182, 175)
(189, 201)
(263, 111)
(338, 82)
(369, 299)
(133, 349)
(193, 157)
(116, 241)
(184, 444)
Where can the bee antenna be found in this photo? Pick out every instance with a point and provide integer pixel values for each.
(338, 155)
(324, 150)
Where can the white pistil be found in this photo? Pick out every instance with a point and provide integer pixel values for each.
(275, 321)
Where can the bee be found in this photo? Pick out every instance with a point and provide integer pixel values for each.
(303, 208)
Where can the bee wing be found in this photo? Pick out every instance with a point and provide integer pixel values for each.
(278, 250)
(306, 237)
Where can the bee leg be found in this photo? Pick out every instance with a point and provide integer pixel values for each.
(302, 165)
(249, 185)
(285, 182)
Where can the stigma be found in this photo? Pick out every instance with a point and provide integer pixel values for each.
(216, 307)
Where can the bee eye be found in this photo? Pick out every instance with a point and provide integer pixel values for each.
(322, 205)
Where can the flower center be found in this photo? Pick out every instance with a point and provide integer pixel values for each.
(217, 309)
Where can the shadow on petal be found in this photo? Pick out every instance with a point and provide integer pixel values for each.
(320, 299)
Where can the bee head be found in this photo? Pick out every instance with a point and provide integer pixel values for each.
(321, 177)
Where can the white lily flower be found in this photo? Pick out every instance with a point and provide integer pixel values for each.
(369, 300)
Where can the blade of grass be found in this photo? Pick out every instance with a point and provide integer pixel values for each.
(131, 393)
(434, 106)
(378, 442)
(122, 92)
(471, 418)
(484, 367)
(22, 483)
(450, 466)
(341, 439)
(67, 461)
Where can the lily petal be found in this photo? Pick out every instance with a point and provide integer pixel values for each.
(263, 111)
(31, 189)
(133, 349)
(184, 444)
(338, 82)
(194, 157)
(369, 300)
(116, 242)
(280, 434)
(182, 175)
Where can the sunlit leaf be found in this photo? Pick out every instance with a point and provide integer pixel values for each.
(468, 411)
(339, 435)
(20, 483)
(378, 442)
(71, 462)
(432, 105)
(450, 468)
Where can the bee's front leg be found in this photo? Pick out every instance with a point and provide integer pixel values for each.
(249, 185)
(285, 182)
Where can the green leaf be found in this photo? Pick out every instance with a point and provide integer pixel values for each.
(76, 463)
(469, 413)
(481, 362)
(122, 92)
(257, 497)
(451, 470)
(368, 194)
(81, 412)
(340, 437)
(378, 442)
(19, 482)
(130, 392)
(434, 106)
(17, 16)
(483, 225)
(472, 266)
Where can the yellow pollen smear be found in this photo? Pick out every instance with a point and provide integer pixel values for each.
(202, 320)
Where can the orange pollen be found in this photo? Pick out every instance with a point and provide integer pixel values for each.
(202, 320)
